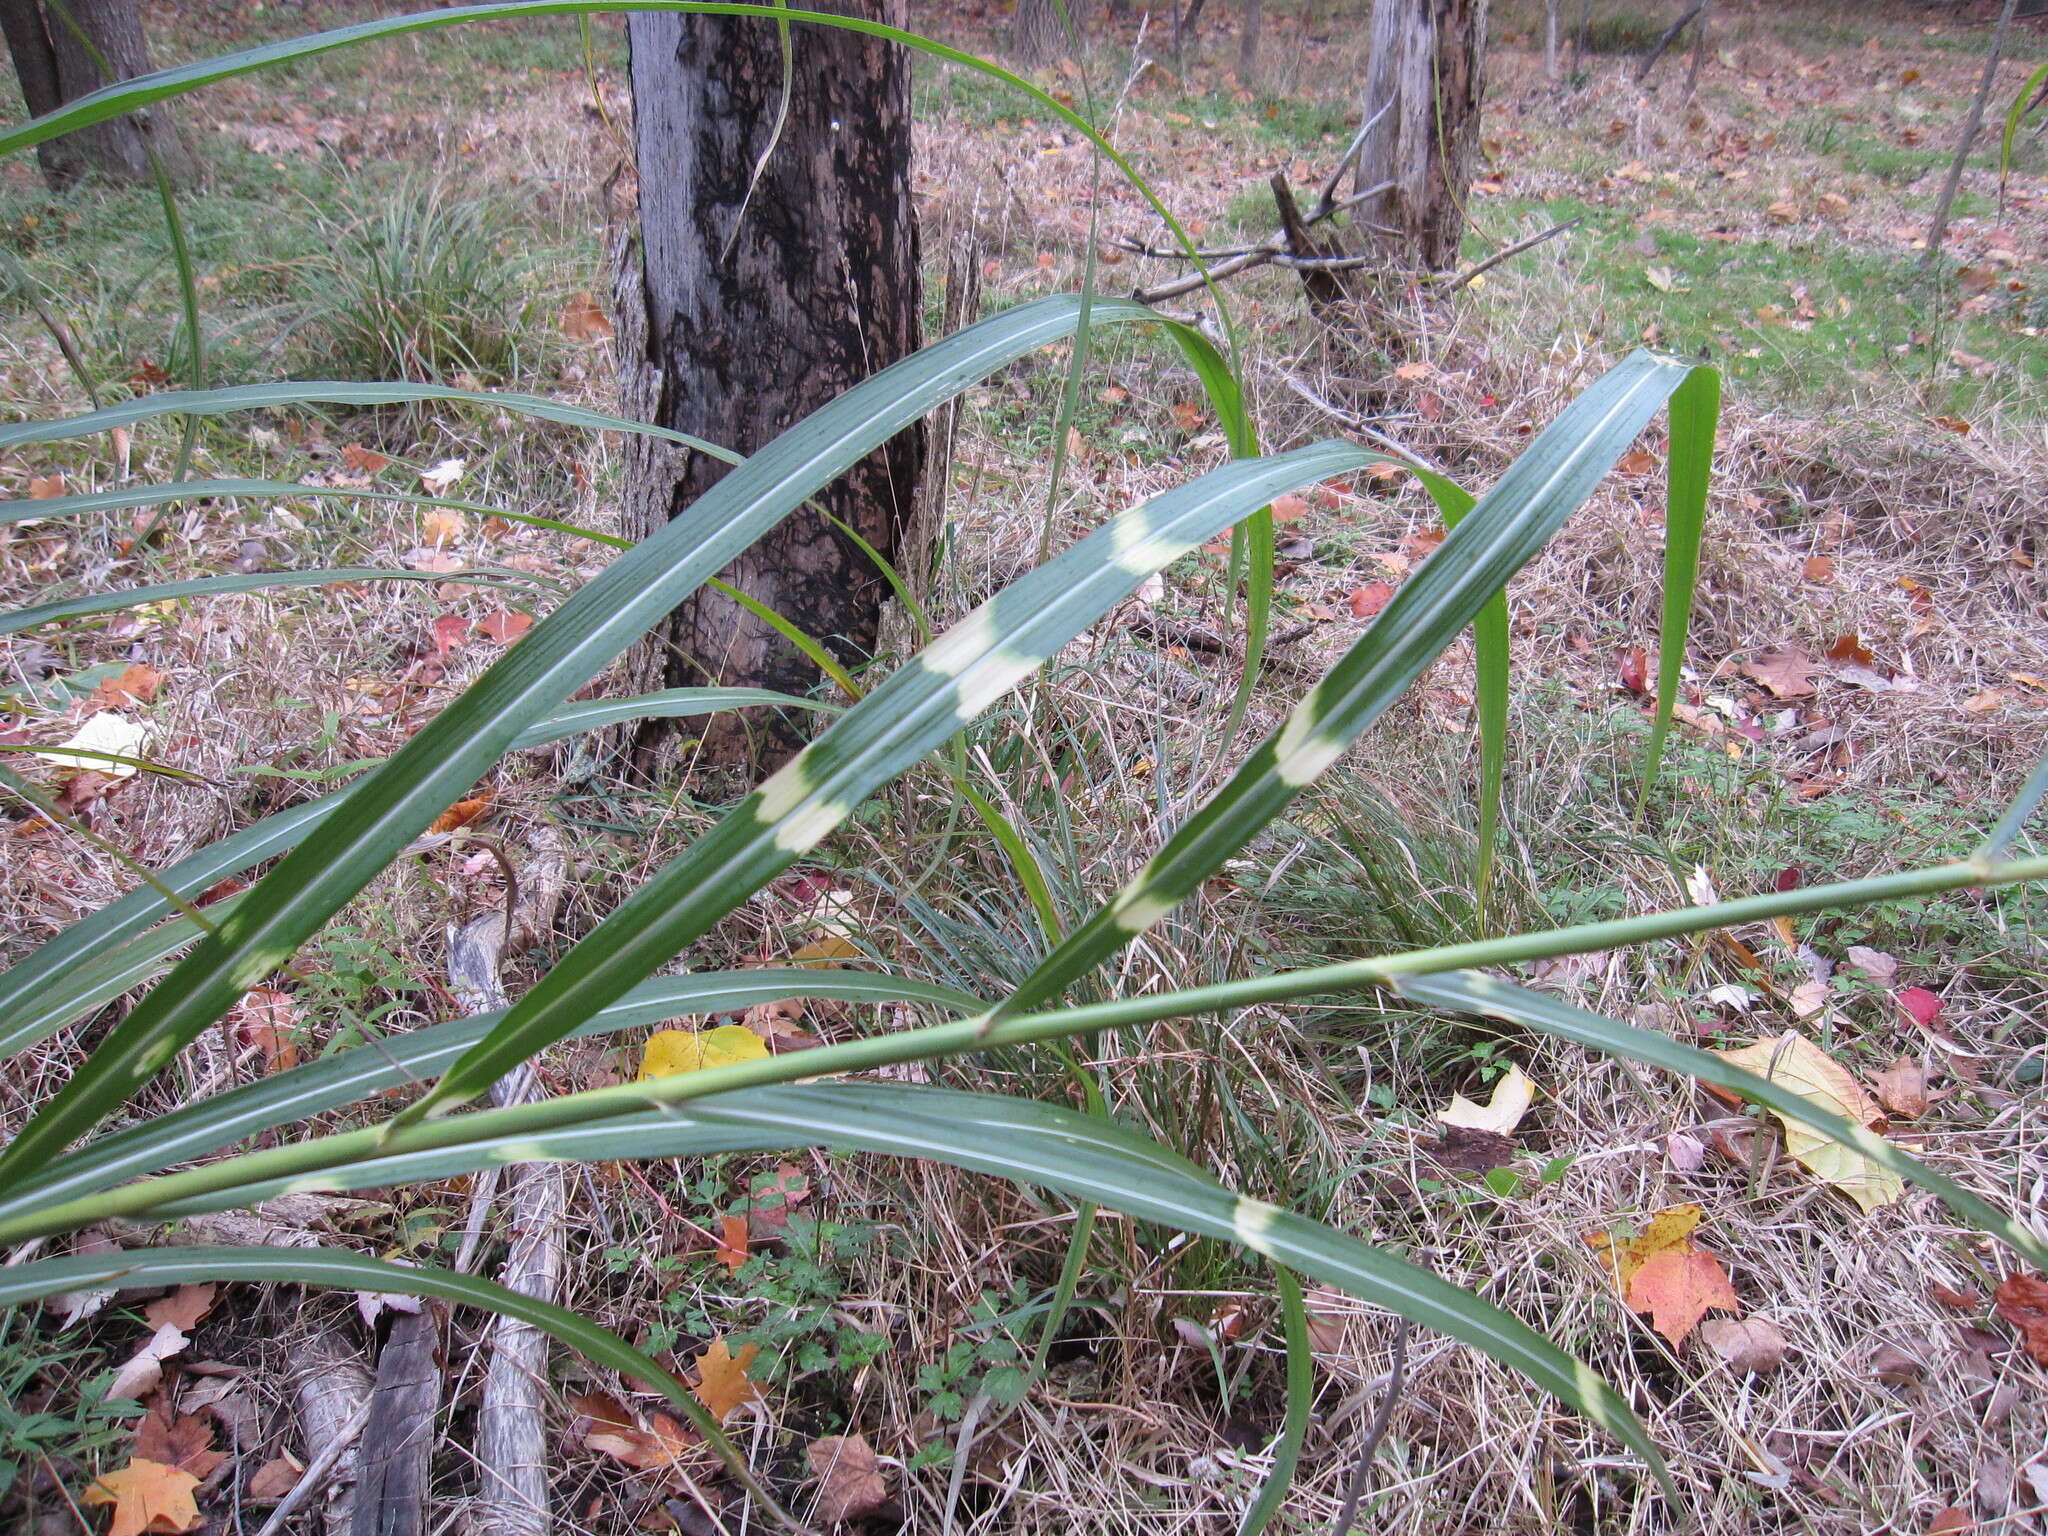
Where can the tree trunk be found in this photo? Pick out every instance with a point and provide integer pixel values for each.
(1248, 45)
(55, 65)
(746, 310)
(1424, 87)
(35, 67)
(1037, 36)
(1550, 65)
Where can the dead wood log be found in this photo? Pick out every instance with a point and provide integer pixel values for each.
(396, 1456)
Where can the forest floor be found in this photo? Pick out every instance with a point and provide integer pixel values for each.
(1867, 683)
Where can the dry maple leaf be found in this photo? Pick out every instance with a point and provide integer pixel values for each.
(1370, 599)
(149, 1499)
(1796, 1063)
(1678, 1287)
(850, 1482)
(2022, 1300)
(136, 685)
(732, 1243)
(460, 814)
(722, 1384)
(583, 320)
(182, 1308)
(504, 626)
(1663, 1273)
(185, 1442)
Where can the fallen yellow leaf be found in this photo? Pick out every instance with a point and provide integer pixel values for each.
(1512, 1096)
(148, 1497)
(722, 1384)
(1794, 1062)
(671, 1052)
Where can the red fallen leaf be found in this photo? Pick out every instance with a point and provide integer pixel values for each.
(137, 685)
(1634, 669)
(2022, 1300)
(268, 1019)
(1851, 649)
(1370, 599)
(732, 1242)
(363, 461)
(460, 814)
(1957, 1301)
(450, 630)
(1422, 542)
(185, 1442)
(505, 626)
(1789, 878)
(1952, 1521)
(1677, 1287)
(1921, 1004)
(1820, 570)
(1288, 509)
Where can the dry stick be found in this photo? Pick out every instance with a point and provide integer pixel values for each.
(1699, 50)
(1453, 281)
(1670, 36)
(511, 1427)
(1358, 423)
(334, 1403)
(316, 1471)
(1361, 1478)
(1938, 231)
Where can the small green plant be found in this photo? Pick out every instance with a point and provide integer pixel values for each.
(49, 1418)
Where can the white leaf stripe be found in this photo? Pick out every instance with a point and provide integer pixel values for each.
(920, 706)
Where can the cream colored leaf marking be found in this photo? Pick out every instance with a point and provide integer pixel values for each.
(1251, 1220)
(1302, 751)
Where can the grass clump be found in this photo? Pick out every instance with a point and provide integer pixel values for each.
(418, 283)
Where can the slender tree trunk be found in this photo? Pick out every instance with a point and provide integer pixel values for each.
(747, 308)
(1423, 86)
(1938, 230)
(55, 65)
(1248, 45)
(1550, 64)
(1036, 34)
(35, 67)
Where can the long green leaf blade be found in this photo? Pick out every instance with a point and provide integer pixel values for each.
(349, 1076)
(1695, 415)
(1032, 1143)
(917, 709)
(217, 586)
(296, 392)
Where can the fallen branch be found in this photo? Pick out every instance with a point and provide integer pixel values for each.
(1453, 281)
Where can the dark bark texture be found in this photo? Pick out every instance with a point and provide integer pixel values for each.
(744, 312)
(54, 65)
(1424, 85)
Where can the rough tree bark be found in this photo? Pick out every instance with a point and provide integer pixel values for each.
(54, 65)
(1248, 45)
(1037, 35)
(743, 311)
(1422, 96)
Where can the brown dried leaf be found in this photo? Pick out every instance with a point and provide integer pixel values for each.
(181, 1309)
(850, 1482)
(273, 1480)
(613, 1431)
(148, 1497)
(1753, 1344)
(137, 685)
(1902, 1088)
(2022, 1300)
(1787, 673)
(185, 1442)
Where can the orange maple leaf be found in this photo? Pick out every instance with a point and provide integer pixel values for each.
(1664, 1274)
(149, 1499)
(722, 1384)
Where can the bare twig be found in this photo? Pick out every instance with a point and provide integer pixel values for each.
(1670, 36)
(1938, 230)
(1361, 1478)
(1453, 281)
(1357, 423)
